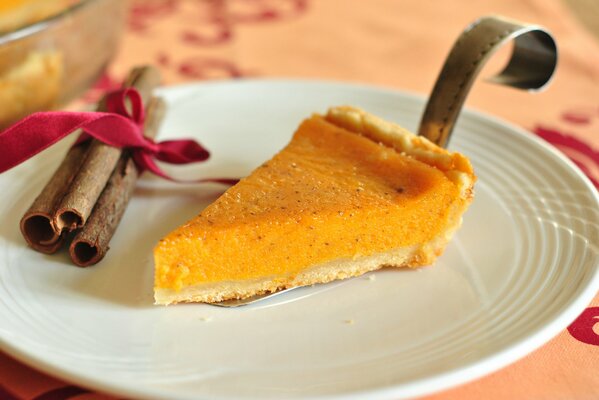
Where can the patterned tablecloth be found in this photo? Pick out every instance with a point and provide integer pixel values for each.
(392, 43)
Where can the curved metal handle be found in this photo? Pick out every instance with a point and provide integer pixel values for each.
(531, 66)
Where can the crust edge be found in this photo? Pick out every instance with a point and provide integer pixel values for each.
(454, 165)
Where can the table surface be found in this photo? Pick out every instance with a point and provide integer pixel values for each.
(396, 44)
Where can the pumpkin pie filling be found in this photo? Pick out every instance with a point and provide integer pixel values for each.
(349, 194)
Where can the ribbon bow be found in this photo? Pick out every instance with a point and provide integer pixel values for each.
(116, 127)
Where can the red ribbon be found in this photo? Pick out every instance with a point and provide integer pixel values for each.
(116, 127)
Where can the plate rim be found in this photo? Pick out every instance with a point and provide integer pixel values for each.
(421, 387)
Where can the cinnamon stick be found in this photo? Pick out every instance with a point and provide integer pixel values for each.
(36, 224)
(77, 204)
(68, 198)
(92, 242)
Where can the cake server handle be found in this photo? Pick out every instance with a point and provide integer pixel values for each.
(531, 66)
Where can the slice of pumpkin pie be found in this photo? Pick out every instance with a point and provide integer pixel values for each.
(349, 194)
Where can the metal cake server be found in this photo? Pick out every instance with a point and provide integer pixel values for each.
(530, 67)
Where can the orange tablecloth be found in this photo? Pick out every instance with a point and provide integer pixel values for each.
(398, 44)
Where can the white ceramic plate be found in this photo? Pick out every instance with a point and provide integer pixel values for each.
(522, 267)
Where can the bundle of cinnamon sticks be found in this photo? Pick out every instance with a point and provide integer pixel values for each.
(86, 197)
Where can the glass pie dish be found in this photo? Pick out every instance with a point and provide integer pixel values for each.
(52, 50)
